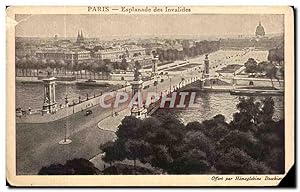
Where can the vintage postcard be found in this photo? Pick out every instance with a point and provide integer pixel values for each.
(149, 95)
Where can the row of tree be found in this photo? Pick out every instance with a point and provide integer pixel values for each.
(252, 143)
(267, 68)
(28, 64)
(168, 55)
(276, 54)
(199, 48)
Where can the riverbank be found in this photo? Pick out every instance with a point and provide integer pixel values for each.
(36, 80)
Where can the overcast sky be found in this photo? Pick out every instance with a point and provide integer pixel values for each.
(107, 26)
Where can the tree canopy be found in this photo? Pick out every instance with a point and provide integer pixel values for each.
(71, 167)
(251, 143)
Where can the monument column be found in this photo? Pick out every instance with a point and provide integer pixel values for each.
(49, 104)
(206, 76)
(137, 109)
(206, 66)
(154, 66)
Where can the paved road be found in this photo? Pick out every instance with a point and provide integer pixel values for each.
(37, 144)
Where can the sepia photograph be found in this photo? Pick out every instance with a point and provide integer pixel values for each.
(135, 91)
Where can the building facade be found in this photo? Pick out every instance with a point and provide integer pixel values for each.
(70, 56)
(117, 54)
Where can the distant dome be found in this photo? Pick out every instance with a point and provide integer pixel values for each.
(260, 31)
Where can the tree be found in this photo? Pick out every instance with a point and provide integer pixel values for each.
(94, 67)
(19, 65)
(245, 141)
(71, 167)
(248, 115)
(24, 65)
(116, 65)
(79, 67)
(193, 161)
(123, 169)
(195, 126)
(215, 128)
(85, 67)
(251, 65)
(137, 65)
(124, 65)
(267, 110)
(271, 72)
(30, 65)
(166, 142)
(282, 70)
(36, 64)
(89, 68)
(261, 66)
(276, 55)
(52, 63)
(56, 169)
(161, 157)
(107, 61)
(237, 161)
(44, 63)
(137, 149)
(107, 68)
(271, 144)
(114, 151)
(135, 55)
(82, 167)
(62, 64)
(129, 129)
(197, 140)
(141, 140)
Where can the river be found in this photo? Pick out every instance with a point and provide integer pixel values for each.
(214, 103)
(211, 103)
(31, 94)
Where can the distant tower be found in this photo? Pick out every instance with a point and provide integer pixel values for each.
(137, 83)
(260, 31)
(205, 81)
(49, 105)
(154, 66)
(80, 38)
(137, 109)
(206, 66)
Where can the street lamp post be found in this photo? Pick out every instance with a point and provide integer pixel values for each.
(156, 84)
(170, 84)
(66, 141)
(73, 106)
(112, 106)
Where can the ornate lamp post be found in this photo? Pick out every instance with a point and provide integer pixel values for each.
(66, 141)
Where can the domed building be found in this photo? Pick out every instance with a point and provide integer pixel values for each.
(260, 31)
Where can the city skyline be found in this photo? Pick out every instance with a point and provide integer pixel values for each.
(118, 26)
